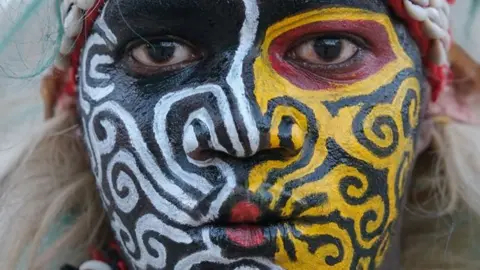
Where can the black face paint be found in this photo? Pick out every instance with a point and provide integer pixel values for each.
(200, 163)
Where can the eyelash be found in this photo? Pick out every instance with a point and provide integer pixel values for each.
(128, 62)
(136, 69)
(357, 40)
(361, 43)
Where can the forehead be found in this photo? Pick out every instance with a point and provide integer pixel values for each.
(224, 11)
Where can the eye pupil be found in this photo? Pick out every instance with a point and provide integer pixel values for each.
(328, 49)
(162, 51)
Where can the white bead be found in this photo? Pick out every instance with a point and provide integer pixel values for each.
(423, 3)
(67, 45)
(434, 31)
(84, 4)
(433, 14)
(446, 9)
(438, 3)
(73, 22)
(438, 17)
(443, 20)
(95, 265)
(61, 62)
(415, 11)
(64, 8)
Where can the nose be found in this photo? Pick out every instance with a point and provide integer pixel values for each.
(201, 145)
(281, 136)
(205, 138)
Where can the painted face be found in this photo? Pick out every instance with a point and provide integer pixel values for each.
(251, 135)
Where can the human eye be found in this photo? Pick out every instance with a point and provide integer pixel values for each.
(324, 51)
(154, 56)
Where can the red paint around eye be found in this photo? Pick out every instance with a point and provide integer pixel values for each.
(379, 54)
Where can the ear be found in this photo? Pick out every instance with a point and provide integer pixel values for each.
(466, 73)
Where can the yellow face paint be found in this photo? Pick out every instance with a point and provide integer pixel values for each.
(354, 144)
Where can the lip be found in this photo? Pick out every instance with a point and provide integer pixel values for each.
(247, 230)
(245, 240)
(246, 236)
(244, 212)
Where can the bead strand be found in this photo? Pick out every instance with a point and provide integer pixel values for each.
(72, 13)
(433, 14)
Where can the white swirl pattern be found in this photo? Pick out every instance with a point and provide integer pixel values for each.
(148, 160)
(119, 228)
(124, 182)
(97, 93)
(148, 223)
(160, 129)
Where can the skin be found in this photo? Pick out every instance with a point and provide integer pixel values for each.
(248, 153)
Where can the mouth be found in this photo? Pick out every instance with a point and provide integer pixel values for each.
(244, 231)
(247, 229)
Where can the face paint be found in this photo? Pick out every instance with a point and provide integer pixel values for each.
(215, 145)
(342, 192)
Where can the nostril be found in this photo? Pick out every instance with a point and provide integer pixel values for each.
(200, 143)
(196, 139)
(201, 133)
(200, 155)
